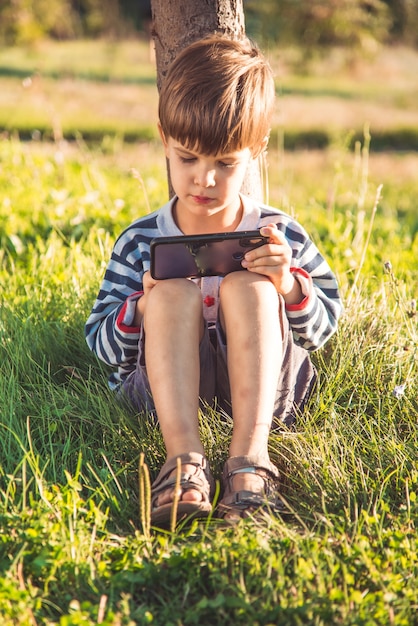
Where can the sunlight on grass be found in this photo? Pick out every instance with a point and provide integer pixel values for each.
(74, 548)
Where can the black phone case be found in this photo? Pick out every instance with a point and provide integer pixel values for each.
(194, 256)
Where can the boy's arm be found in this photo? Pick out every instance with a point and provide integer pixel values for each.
(315, 318)
(302, 277)
(111, 331)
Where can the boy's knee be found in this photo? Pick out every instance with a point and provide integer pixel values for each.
(236, 281)
(175, 292)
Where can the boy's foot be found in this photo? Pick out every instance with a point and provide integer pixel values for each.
(250, 486)
(196, 487)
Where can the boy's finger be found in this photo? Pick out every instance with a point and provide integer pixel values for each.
(275, 235)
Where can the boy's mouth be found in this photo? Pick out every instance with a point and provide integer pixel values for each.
(202, 199)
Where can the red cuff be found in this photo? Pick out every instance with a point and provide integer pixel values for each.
(300, 305)
(119, 320)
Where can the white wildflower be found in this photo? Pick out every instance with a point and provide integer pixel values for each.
(399, 391)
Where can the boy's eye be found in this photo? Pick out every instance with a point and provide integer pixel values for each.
(192, 159)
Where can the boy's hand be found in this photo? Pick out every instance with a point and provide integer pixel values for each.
(148, 283)
(274, 260)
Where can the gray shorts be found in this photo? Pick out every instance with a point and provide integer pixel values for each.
(294, 386)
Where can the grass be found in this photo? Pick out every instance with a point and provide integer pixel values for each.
(73, 549)
(69, 89)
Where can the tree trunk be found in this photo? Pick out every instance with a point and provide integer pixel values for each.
(177, 24)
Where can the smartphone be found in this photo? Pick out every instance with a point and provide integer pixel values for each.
(194, 256)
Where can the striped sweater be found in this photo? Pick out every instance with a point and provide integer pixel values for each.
(110, 332)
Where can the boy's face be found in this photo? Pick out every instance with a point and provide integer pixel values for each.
(207, 187)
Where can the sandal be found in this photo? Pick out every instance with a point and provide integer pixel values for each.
(201, 480)
(246, 503)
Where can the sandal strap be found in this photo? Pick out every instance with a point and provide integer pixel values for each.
(244, 501)
(252, 465)
(204, 484)
(249, 463)
(188, 458)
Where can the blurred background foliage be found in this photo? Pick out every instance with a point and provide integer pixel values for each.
(312, 24)
(317, 24)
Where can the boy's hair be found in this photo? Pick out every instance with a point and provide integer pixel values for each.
(218, 96)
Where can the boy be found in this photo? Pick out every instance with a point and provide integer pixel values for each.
(243, 339)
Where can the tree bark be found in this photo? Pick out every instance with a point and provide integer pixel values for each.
(176, 24)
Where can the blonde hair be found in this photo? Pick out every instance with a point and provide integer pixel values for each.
(218, 96)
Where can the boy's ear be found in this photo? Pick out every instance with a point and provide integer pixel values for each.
(263, 145)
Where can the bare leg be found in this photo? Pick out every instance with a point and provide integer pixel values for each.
(251, 321)
(173, 323)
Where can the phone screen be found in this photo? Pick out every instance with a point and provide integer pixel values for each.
(195, 256)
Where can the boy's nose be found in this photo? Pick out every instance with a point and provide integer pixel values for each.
(205, 178)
